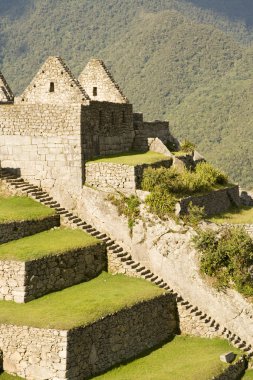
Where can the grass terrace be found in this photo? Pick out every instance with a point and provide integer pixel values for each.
(46, 243)
(81, 304)
(6, 376)
(248, 375)
(243, 215)
(22, 208)
(132, 158)
(188, 358)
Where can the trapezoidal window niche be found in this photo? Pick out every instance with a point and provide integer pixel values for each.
(51, 88)
(95, 91)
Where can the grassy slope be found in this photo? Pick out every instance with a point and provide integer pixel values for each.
(46, 243)
(81, 304)
(133, 158)
(6, 376)
(248, 375)
(165, 59)
(242, 216)
(185, 358)
(22, 208)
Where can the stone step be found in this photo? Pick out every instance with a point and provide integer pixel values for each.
(122, 254)
(135, 265)
(144, 272)
(139, 269)
(129, 262)
(125, 258)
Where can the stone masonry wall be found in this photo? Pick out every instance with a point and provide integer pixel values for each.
(215, 202)
(43, 142)
(17, 230)
(122, 336)
(145, 130)
(34, 353)
(25, 281)
(110, 176)
(107, 128)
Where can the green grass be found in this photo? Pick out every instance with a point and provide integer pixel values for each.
(243, 215)
(188, 358)
(46, 243)
(22, 208)
(80, 304)
(6, 376)
(132, 158)
(248, 375)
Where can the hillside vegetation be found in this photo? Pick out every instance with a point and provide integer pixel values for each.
(189, 60)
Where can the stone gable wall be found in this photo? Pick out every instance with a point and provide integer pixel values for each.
(17, 230)
(97, 75)
(110, 176)
(107, 128)
(54, 84)
(22, 282)
(34, 353)
(120, 337)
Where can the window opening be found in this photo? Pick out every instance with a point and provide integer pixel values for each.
(51, 89)
(123, 117)
(95, 91)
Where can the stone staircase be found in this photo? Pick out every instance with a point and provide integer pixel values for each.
(205, 325)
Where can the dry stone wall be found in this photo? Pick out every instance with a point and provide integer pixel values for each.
(107, 128)
(25, 281)
(34, 353)
(110, 176)
(120, 337)
(43, 143)
(43, 354)
(17, 230)
(215, 202)
(146, 130)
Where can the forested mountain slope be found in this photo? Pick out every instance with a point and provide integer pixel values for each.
(186, 59)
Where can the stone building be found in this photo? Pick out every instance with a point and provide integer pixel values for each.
(58, 123)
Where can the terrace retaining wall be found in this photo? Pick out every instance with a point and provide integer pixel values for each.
(79, 353)
(122, 336)
(19, 229)
(25, 281)
(214, 202)
(110, 176)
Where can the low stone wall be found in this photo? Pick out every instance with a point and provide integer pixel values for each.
(117, 338)
(25, 281)
(215, 202)
(110, 176)
(34, 353)
(17, 230)
(79, 353)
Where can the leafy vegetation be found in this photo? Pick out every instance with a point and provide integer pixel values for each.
(227, 256)
(169, 185)
(46, 243)
(132, 158)
(184, 357)
(127, 206)
(187, 146)
(22, 208)
(81, 304)
(6, 376)
(188, 61)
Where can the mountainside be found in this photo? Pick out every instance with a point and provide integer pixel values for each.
(188, 60)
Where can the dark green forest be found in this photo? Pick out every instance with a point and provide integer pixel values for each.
(189, 61)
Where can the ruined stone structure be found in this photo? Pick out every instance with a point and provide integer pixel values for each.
(60, 123)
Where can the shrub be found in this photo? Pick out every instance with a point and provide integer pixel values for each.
(161, 202)
(195, 214)
(209, 175)
(187, 146)
(127, 206)
(228, 257)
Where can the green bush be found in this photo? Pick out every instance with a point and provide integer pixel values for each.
(169, 185)
(195, 214)
(228, 257)
(127, 206)
(161, 202)
(187, 146)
